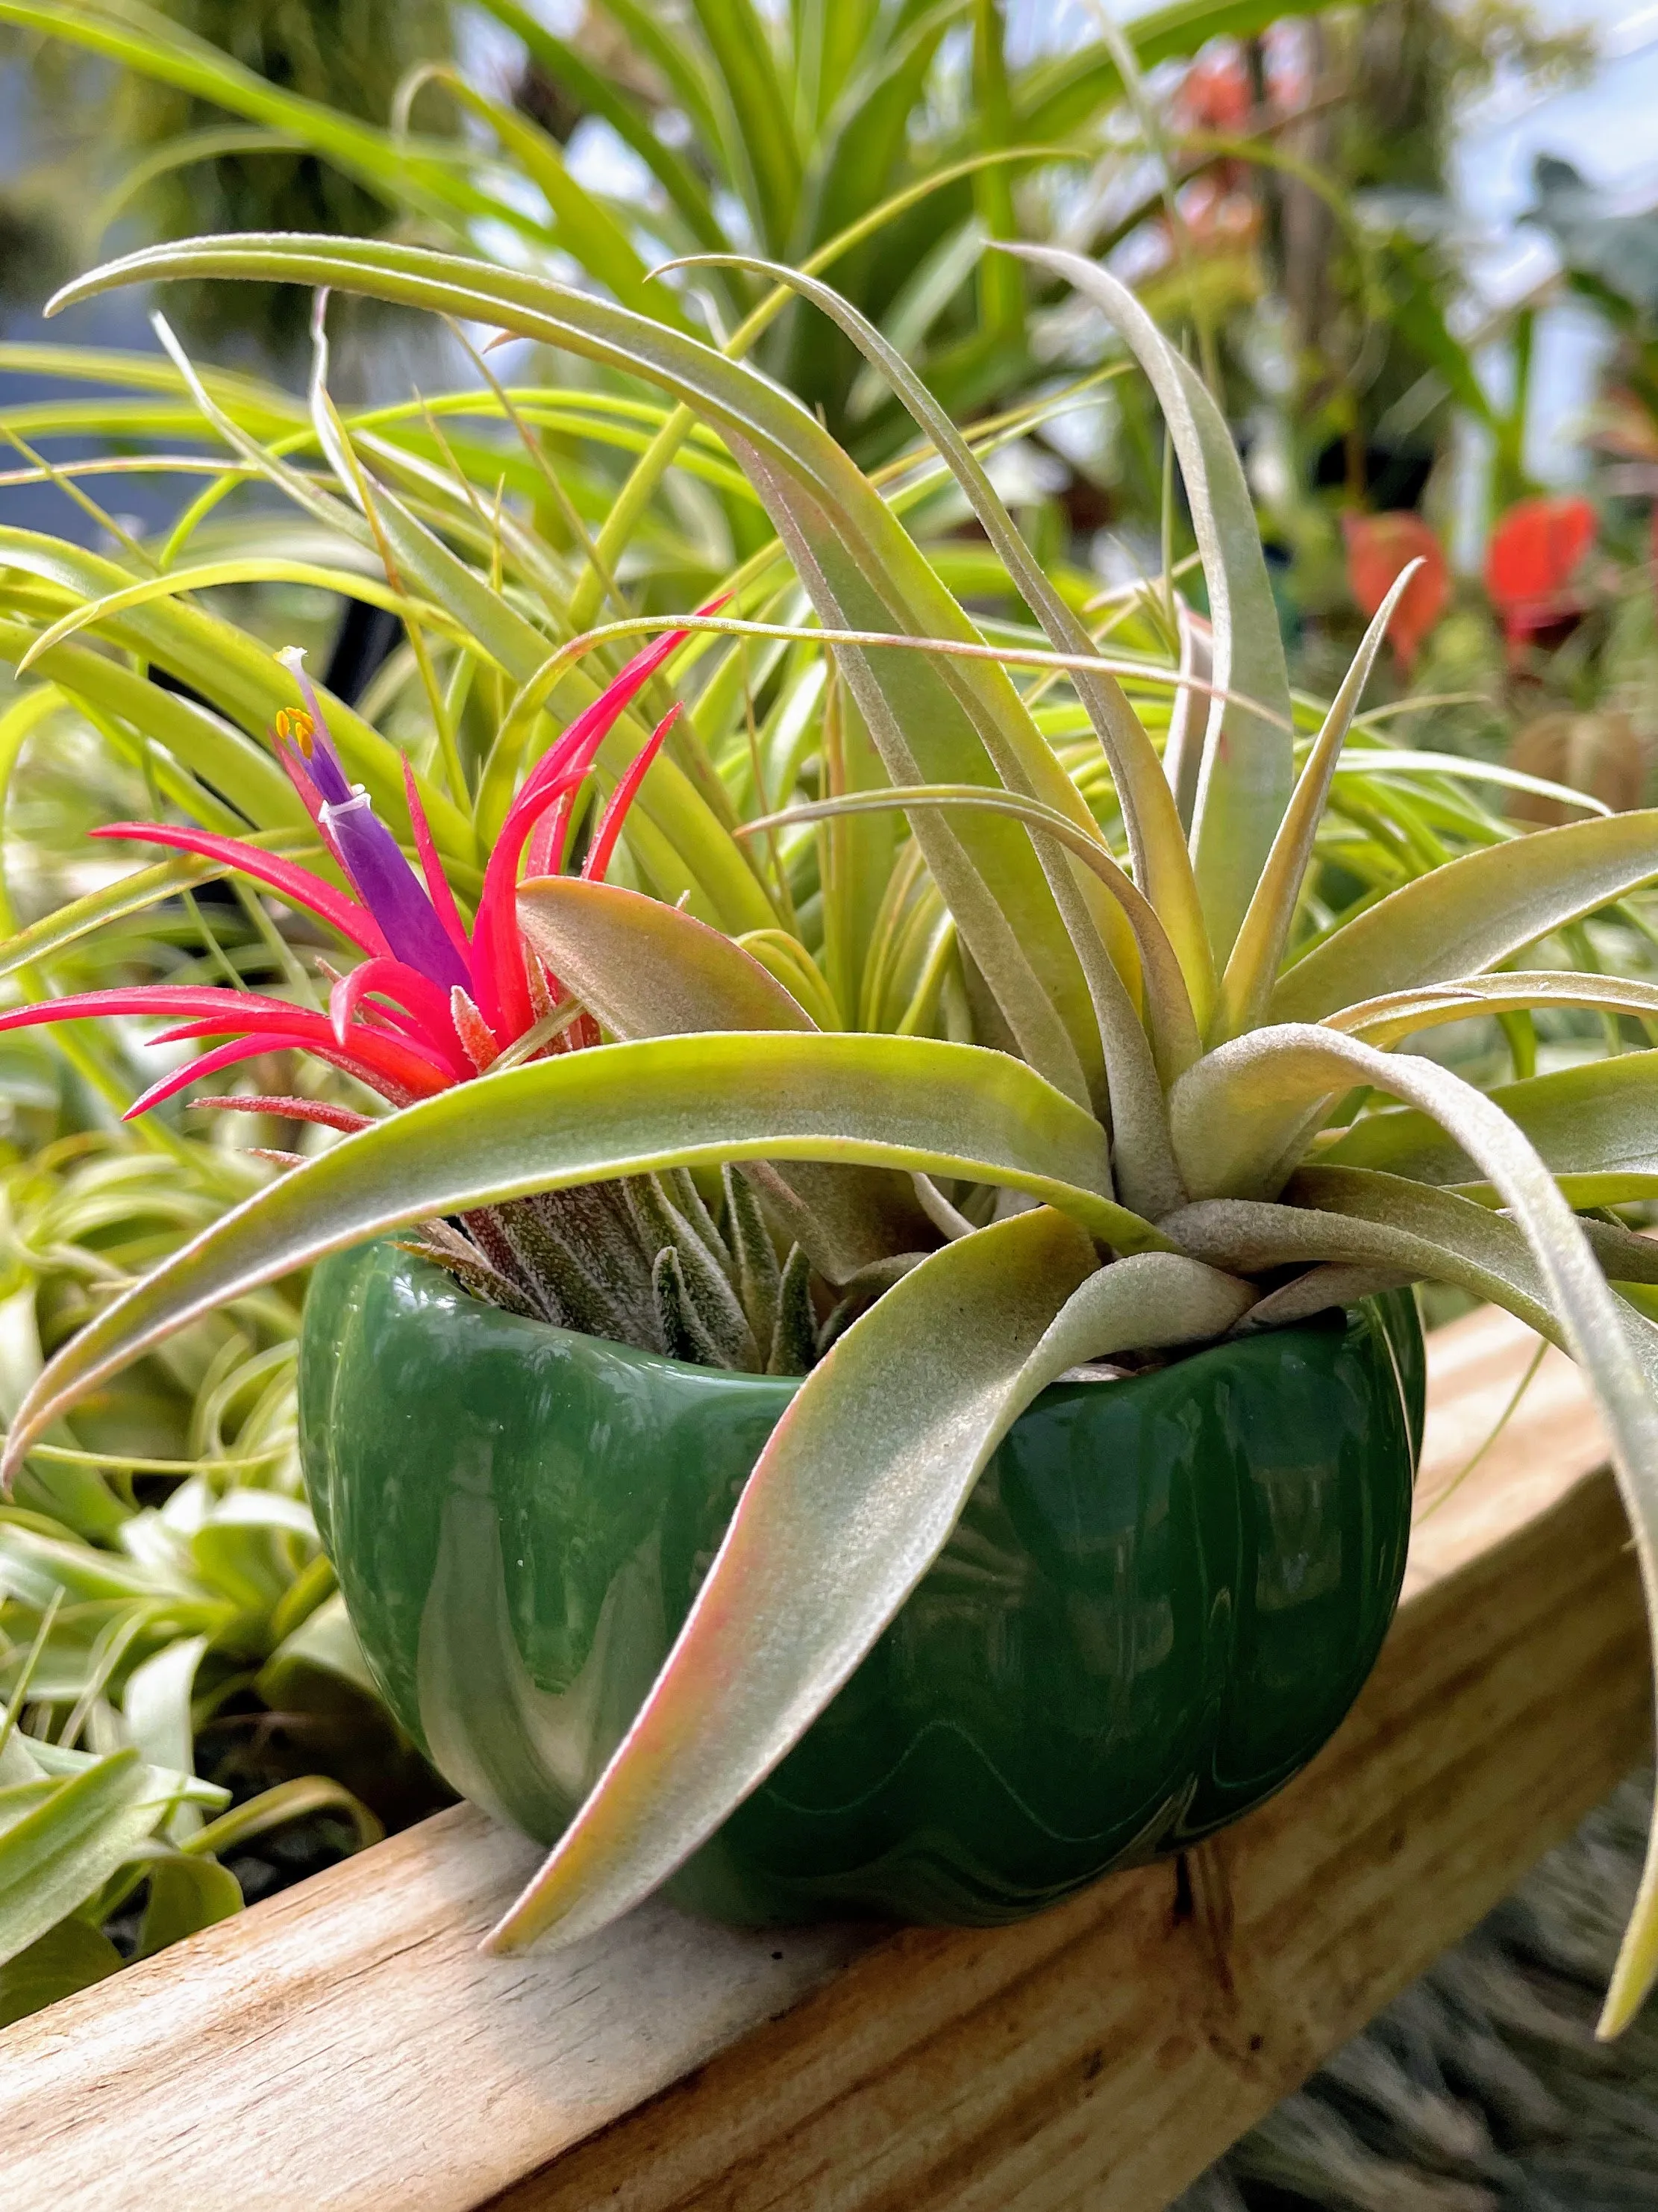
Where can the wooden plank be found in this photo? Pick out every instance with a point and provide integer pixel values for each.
(346, 2045)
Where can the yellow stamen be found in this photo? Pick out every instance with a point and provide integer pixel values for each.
(295, 727)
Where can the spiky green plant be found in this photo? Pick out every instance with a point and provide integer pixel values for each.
(1181, 1064)
(884, 137)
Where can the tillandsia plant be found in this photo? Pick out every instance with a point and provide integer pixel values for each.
(1165, 1119)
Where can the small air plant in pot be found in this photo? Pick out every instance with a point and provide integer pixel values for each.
(837, 1471)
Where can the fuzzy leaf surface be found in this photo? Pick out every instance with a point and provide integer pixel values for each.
(1236, 1118)
(1598, 1120)
(1471, 913)
(621, 1109)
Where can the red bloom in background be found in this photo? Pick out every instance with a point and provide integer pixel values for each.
(1532, 564)
(430, 1005)
(1215, 94)
(1378, 547)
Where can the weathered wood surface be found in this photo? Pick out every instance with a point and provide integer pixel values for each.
(345, 2044)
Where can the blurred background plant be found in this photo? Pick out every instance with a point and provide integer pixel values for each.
(435, 518)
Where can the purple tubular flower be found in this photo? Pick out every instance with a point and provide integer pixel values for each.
(369, 854)
(393, 893)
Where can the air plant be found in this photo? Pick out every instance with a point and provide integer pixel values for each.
(1186, 1116)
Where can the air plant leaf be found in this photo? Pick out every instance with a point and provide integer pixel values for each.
(759, 1278)
(1471, 913)
(795, 1339)
(598, 94)
(127, 895)
(582, 226)
(71, 1840)
(1188, 714)
(237, 676)
(208, 575)
(1348, 1218)
(685, 1332)
(1157, 843)
(1247, 1095)
(912, 1103)
(69, 1957)
(852, 1500)
(1244, 784)
(1397, 1014)
(1170, 1011)
(1600, 1119)
(1252, 970)
(698, 1304)
(187, 1892)
(648, 971)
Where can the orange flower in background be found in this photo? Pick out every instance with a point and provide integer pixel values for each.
(1532, 567)
(1378, 547)
(1214, 95)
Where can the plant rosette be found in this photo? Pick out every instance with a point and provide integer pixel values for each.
(1186, 1128)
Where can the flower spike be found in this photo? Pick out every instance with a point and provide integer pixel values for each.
(366, 849)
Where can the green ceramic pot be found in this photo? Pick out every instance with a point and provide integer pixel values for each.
(1164, 1596)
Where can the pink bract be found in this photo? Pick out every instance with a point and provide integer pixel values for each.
(430, 1005)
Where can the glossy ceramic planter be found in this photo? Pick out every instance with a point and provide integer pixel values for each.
(1164, 1596)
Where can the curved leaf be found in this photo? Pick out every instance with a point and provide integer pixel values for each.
(254, 569)
(74, 1838)
(1247, 986)
(1174, 1028)
(186, 1894)
(1347, 1217)
(582, 226)
(909, 1102)
(1598, 1120)
(1416, 763)
(1244, 783)
(647, 970)
(71, 1956)
(1157, 843)
(1471, 913)
(1384, 1021)
(234, 670)
(853, 1499)
(1231, 1117)
(196, 736)
(129, 895)
(860, 566)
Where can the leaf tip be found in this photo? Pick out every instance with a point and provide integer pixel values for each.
(1635, 1973)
